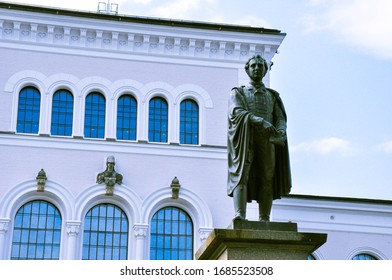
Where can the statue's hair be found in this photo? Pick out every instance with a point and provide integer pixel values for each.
(257, 57)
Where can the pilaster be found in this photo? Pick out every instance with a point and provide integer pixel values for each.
(4, 223)
(73, 229)
(140, 232)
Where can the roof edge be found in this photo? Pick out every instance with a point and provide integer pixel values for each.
(142, 20)
(339, 199)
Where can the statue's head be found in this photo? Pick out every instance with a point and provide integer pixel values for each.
(261, 63)
(110, 162)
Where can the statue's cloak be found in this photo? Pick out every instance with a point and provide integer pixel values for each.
(240, 150)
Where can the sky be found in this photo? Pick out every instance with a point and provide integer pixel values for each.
(333, 71)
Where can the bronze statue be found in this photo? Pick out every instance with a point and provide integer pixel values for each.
(110, 177)
(258, 157)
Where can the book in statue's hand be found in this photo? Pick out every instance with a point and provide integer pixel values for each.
(278, 140)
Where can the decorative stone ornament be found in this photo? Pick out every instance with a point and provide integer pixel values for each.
(41, 180)
(175, 186)
(110, 177)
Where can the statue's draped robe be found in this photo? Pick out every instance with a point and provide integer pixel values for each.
(240, 151)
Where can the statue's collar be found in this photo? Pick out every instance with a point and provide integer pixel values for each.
(257, 85)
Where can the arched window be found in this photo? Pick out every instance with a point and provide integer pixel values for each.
(28, 110)
(94, 117)
(62, 113)
(105, 233)
(364, 257)
(189, 122)
(126, 118)
(37, 232)
(171, 235)
(157, 120)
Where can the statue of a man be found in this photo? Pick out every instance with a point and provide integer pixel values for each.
(258, 158)
(110, 177)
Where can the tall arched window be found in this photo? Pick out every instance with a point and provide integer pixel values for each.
(126, 118)
(62, 113)
(171, 235)
(105, 234)
(94, 117)
(37, 232)
(189, 122)
(364, 257)
(158, 120)
(28, 110)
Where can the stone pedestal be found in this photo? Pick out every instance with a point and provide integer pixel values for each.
(247, 240)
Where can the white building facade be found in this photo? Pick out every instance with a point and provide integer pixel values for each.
(79, 90)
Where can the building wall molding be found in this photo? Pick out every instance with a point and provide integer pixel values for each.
(56, 33)
(337, 215)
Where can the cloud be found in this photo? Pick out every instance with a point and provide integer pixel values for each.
(324, 146)
(252, 21)
(180, 8)
(360, 23)
(385, 147)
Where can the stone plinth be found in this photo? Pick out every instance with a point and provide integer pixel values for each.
(246, 240)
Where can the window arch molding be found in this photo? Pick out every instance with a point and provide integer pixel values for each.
(94, 83)
(188, 201)
(368, 251)
(125, 86)
(199, 94)
(25, 192)
(25, 78)
(62, 81)
(123, 197)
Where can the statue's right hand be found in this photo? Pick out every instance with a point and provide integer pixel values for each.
(268, 127)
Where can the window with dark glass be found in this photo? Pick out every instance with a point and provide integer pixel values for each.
(62, 113)
(28, 110)
(105, 235)
(157, 120)
(189, 122)
(364, 257)
(94, 117)
(37, 232)
(171, 235)
(126, 118)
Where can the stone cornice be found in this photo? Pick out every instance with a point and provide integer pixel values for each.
(33, 141)
(71, 30)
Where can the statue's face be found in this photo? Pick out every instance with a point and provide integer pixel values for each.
(256, 70)
(110, 166)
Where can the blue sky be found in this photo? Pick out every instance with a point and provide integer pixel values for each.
(334, 73)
